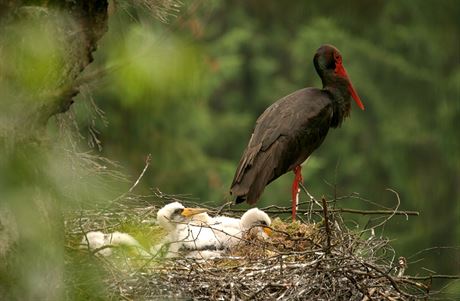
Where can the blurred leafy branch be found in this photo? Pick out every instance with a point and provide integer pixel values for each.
(44, 48)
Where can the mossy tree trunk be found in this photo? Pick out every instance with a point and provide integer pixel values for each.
(77, 27)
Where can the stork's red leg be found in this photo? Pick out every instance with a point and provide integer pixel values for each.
(295, 190)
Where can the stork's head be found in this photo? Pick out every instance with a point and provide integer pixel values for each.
(328, 64)
(175, 213)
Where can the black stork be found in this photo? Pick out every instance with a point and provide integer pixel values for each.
(290, 129)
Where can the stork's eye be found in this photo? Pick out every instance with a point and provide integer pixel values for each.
(331, 62)
(178, 211)
(337, 58)
(263, 223)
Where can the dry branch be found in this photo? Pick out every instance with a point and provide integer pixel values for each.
(436, 276)
(281, 210)
(326, 223)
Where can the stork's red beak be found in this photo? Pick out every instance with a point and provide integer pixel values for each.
(340, 70)
(354, 94)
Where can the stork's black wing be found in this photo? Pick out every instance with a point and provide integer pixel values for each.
(284, 136)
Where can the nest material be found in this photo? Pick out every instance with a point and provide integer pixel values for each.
(299, 262)
(294, 265)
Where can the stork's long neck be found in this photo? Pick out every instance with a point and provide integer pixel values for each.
(340, 98)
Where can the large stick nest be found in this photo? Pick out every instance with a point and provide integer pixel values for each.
(301, 261)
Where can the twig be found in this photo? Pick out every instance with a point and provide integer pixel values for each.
(312, 198)
(147, 163)
(391, 215)
(376, 212)
(437, 276)
(328, 230)
(340, 210)
(433, 248)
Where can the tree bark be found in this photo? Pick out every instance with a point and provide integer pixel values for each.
(79, 25)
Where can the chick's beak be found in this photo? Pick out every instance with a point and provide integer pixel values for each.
(268, 231)
(188, 212)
